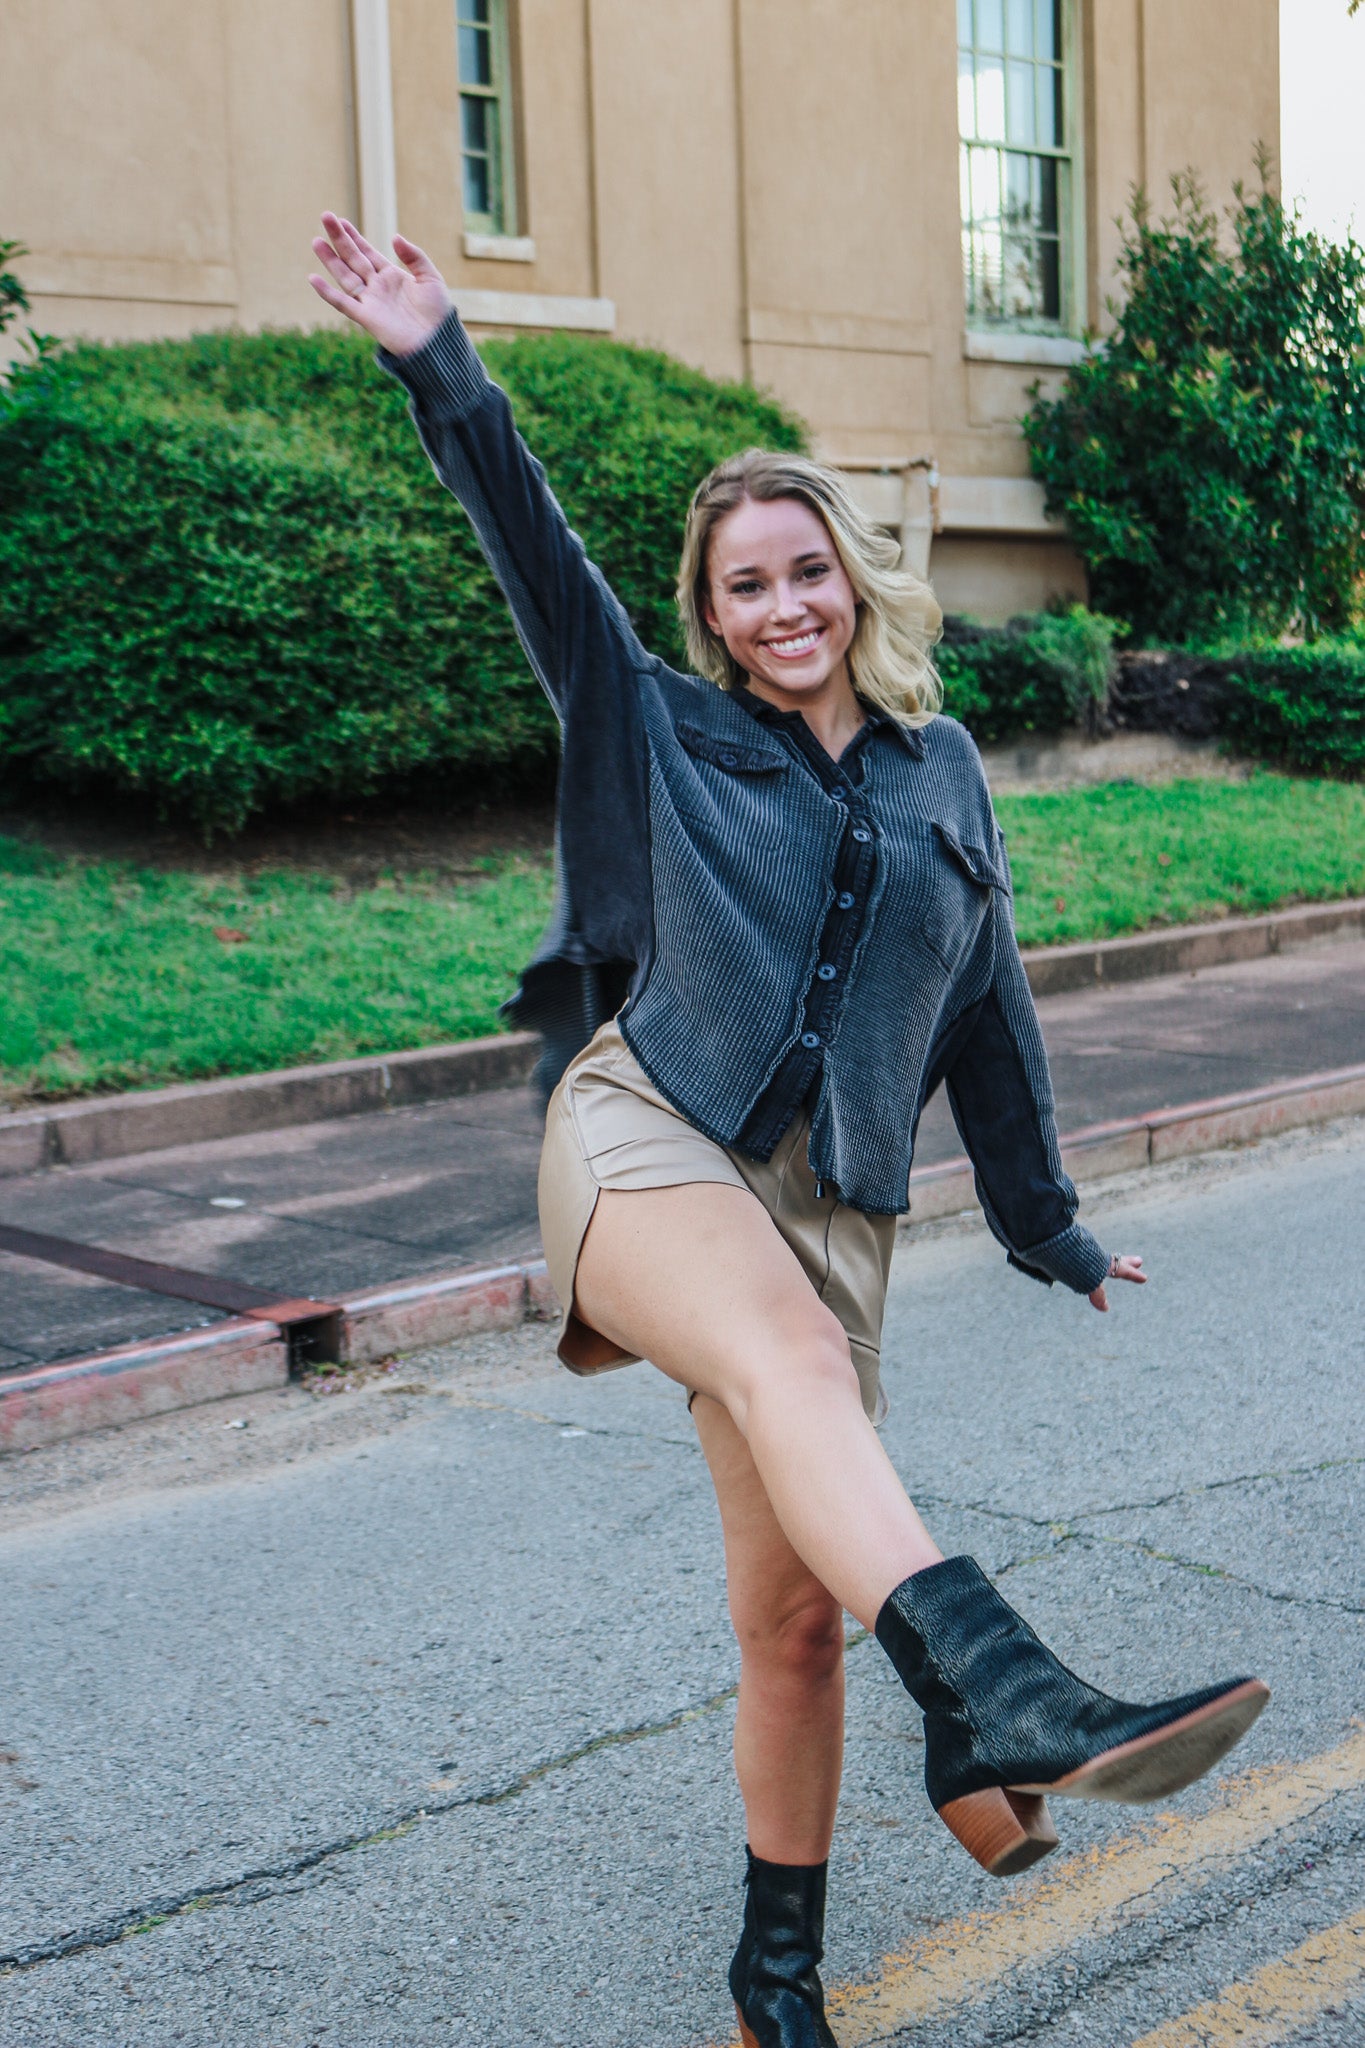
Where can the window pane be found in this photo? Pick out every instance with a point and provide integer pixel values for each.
(964, 21)
(473, 10)
(1047, 27)
(1019, 191)
(1050, 279)
(1019, 103)
(478, 197)
(1019, 28)
(475, 123)
(1050, 106)
(1048, 210)
(476, 56)
(990, 24)
(990, 99)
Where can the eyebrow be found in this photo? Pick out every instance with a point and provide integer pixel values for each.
(811, 555)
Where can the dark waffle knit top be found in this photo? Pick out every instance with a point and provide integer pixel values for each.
(776, 928)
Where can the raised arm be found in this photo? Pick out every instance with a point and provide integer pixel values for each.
(575, 632)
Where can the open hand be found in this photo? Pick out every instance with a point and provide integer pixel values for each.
(1124, 1268)
(401, 304)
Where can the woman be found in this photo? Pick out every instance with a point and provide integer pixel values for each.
(797, 883)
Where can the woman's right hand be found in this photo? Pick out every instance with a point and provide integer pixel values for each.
(401, 304)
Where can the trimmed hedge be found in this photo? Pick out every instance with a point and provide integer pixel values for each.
(1303, 707)
(1038, 674)
(229, 580)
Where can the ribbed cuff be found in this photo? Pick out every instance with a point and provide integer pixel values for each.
(1074, 1257)
(445, 377)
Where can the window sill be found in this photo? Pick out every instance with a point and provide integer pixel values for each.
(499, 248)
(1038, 351)
(536, 309)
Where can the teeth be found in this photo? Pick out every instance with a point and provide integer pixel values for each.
(800, 643)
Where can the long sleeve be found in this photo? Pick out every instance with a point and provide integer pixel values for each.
(576, 634)
(588, 660)
(1000, 1093)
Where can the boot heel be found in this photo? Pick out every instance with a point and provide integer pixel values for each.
(749, 2039)
(1006, 1832)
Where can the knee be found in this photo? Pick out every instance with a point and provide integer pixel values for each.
(811, 1356)
(799, 1641)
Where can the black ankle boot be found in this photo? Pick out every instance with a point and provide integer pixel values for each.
(1005, 1722)
(775, 1975)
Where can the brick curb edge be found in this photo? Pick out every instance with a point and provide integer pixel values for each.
(151, 1120)
(241, 1355)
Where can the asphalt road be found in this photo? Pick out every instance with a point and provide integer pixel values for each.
(402, 1716)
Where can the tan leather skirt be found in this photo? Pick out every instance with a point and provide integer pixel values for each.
(609, 1127)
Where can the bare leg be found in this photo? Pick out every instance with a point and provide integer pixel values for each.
(697, 1279)
(789, 1729)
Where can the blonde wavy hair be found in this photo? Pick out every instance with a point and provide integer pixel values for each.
(889, 662)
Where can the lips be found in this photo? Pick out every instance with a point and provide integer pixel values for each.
(795, 645)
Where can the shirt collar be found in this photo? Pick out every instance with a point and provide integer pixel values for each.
(873, 721)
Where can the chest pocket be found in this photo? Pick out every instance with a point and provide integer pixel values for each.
(734, 785)
(964, 876)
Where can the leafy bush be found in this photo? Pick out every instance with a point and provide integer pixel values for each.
(1035, 675)
(1209, 459)
(228, 578)
(1302, 706)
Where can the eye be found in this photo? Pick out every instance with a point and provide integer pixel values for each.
(813, 571)
(745, 589)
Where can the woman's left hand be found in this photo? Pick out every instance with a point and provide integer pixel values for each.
(1121, 1268)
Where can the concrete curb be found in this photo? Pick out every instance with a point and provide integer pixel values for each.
(1058, 970)
(151, 1120)
(242, 1355)
(1130, 1143)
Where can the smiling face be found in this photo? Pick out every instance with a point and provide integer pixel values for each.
(781, 600)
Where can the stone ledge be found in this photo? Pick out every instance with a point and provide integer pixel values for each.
(113, 1126)
(41, 1406)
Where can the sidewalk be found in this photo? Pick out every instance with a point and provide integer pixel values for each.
(330, 1209)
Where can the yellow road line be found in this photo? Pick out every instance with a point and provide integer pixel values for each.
(1089, 1897)
(1262, 2009)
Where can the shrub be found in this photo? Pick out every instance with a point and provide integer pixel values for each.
(1209, 459)
(228, 578)
(1300, 706)
(1035, 675)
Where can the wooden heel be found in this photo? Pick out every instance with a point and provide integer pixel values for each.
(1004, 1831)
(745, 2035)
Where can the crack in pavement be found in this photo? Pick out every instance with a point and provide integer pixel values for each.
(1218, 1571)
(156, 1913)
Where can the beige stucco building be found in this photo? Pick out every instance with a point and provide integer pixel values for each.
(894, 213)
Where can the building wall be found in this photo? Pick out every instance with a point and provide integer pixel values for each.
(773, 193)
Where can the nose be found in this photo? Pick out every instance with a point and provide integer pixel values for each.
(788, 603)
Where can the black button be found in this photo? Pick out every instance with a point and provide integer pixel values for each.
(862, 835)
(838, 792)
(845, 899)
(810, 1039)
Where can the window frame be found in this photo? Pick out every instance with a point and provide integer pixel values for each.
(1069, 155)
(502, 222)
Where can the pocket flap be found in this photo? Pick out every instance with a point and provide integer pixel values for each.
(738, 756)
(974, 861)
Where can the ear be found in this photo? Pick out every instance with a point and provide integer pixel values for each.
(712, 622)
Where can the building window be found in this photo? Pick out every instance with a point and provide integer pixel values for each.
(1015, 120)
(486, 135)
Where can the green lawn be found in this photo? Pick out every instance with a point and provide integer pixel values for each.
(117, 977)
(1094, 863)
